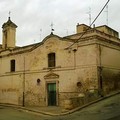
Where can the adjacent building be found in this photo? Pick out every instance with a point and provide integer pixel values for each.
(58, 68)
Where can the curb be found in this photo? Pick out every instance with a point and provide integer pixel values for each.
(86, 105)
(28, 109)
(60, 114)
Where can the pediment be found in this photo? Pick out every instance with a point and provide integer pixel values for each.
(51, 76)
(51, 36)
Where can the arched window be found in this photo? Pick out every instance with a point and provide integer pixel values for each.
(51, 60)
(12, 65)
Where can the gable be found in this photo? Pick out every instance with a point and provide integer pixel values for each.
(53, 42)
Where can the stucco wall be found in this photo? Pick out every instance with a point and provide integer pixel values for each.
(110, 69)
(111, 80)
(110, 57)
(10, 89)
(72, 66)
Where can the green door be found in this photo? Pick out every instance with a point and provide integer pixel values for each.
(51, 87)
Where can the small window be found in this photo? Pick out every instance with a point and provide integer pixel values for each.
(12, 63)
(51, 60)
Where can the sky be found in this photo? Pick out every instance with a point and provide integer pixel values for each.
(34, 17)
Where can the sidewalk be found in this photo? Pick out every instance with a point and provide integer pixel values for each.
(53, 110)
(48, 110)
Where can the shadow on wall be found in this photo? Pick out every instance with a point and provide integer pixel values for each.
(111, 80)
(81, 100)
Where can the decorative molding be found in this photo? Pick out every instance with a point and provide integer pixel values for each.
(51, 76)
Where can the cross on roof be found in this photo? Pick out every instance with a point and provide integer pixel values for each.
(52, 29)
(9, 14)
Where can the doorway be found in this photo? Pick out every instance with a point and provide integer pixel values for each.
(51, 91)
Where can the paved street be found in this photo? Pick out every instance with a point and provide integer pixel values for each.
(7, 113)
(108, 109)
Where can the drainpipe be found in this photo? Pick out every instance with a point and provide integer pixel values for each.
(74, 50)
(100, 74)
(23, 83)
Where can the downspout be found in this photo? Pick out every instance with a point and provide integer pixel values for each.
(23, 104)
(100, 74)
(74, 50)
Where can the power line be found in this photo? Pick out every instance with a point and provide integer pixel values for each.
(100, 13)
(91, 23)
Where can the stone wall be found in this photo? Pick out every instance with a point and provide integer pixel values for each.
(76, 72)
(81, 100)
(111, 80)
(11, 89)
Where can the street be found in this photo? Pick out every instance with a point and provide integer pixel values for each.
(7, 113)
(108, 109)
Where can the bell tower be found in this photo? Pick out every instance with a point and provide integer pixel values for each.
(9, 34)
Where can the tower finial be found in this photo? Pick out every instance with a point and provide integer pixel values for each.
(9, 15)
(52, 29)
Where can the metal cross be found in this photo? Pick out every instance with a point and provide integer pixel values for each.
(9, 13)
(52, 29)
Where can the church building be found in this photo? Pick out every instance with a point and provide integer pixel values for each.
(58, 68)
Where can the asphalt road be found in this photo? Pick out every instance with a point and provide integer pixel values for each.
(7, 113)
(108, 109)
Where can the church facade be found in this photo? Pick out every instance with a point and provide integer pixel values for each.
(58, 68)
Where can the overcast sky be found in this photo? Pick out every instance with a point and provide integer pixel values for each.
(34, 17)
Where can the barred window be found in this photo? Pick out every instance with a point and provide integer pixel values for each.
(51, 60)
(12, 65)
